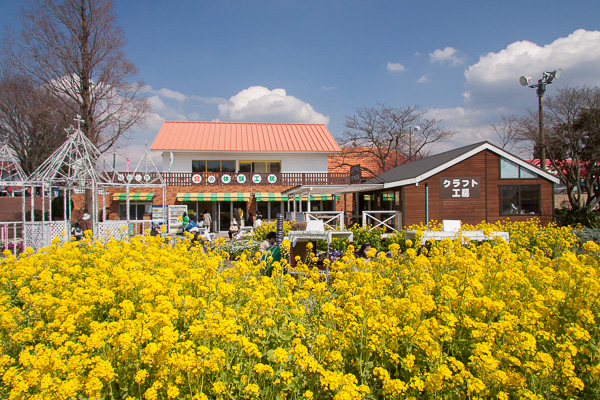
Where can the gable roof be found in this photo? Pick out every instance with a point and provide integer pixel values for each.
(236, 136)
(419, 170)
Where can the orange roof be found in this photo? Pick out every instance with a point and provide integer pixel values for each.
(235, 136)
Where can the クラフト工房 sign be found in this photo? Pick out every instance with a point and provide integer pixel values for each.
(460, 187)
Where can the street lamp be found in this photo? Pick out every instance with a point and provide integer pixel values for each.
(410, 132)
(547, 78)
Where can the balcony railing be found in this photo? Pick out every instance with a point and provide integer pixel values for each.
(254, 179)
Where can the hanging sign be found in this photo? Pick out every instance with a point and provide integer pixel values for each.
(256, 178)
(147, 177)
(211, 179)
(241, 179)
(226, 178)
(460, 187)
(272, 178)
(129, 177)
(196, 178)
(121, 177)
(138, 178)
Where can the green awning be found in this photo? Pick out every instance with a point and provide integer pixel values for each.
(134, 196)
(266, 196)
(213, 196)
(317, 197)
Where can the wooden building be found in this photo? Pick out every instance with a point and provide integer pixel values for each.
(479, 182)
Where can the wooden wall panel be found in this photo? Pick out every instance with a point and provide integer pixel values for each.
(486, 166)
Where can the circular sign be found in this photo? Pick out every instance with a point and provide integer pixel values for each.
(196, 178)
(121, 177)
(138, 178)
(211, 179)
(241, 179)
(272, 178)
(129, 177)
(147, 177)
(256, 178)
(226, 178)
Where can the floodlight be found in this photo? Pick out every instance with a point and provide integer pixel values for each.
(525, 80)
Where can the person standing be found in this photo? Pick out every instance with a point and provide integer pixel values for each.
(258, 221)
(185, 220)
(249, 220)
(207, 220)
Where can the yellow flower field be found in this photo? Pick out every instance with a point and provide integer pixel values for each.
(141, 319)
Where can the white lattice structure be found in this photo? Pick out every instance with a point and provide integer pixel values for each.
(13, 176)
(115, 229)
(78, 166)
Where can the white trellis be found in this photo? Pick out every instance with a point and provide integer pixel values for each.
(13, 176)
(78, 165)
(145, 175)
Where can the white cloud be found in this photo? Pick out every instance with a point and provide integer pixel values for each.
(423, 79)
(395, 67)
(171, 94)
(492, 84)
(260, 104)
(449, 54)
(326, 88)
(577, 54)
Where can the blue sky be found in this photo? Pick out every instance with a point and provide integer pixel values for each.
(316, 61)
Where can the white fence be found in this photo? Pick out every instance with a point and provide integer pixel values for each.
(331, 219)
(11, 236)
(40, 234)
(388, 220)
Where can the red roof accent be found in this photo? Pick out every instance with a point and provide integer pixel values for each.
(237, 136)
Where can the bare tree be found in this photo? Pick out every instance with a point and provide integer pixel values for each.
(74, 50)
(31, 125)
(391, 135)
(572, 130)
(507, 131)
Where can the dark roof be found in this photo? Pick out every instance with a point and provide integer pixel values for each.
(414, 169)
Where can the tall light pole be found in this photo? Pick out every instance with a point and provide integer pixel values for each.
(547, 78)
(410, 132)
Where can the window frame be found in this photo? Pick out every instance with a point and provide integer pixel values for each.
(519, 168)
(205, 161)
(266, 162)
(520, 200)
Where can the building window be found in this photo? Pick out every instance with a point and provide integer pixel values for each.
(137, 211)
(199, 166)
(260, 166)
(520, 200)
(213, 165)
(510, 170)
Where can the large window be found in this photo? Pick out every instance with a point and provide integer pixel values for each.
(260, 166)
(213, 165)
(510, 170)
(520, 200)
(136, 210)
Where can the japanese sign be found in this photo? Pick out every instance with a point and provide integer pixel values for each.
(196, 178)
(461, 187)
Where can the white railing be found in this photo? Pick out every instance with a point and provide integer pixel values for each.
(331, 219)
(389, 220)
(11, 236)
(114, 229)
(39, 234)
